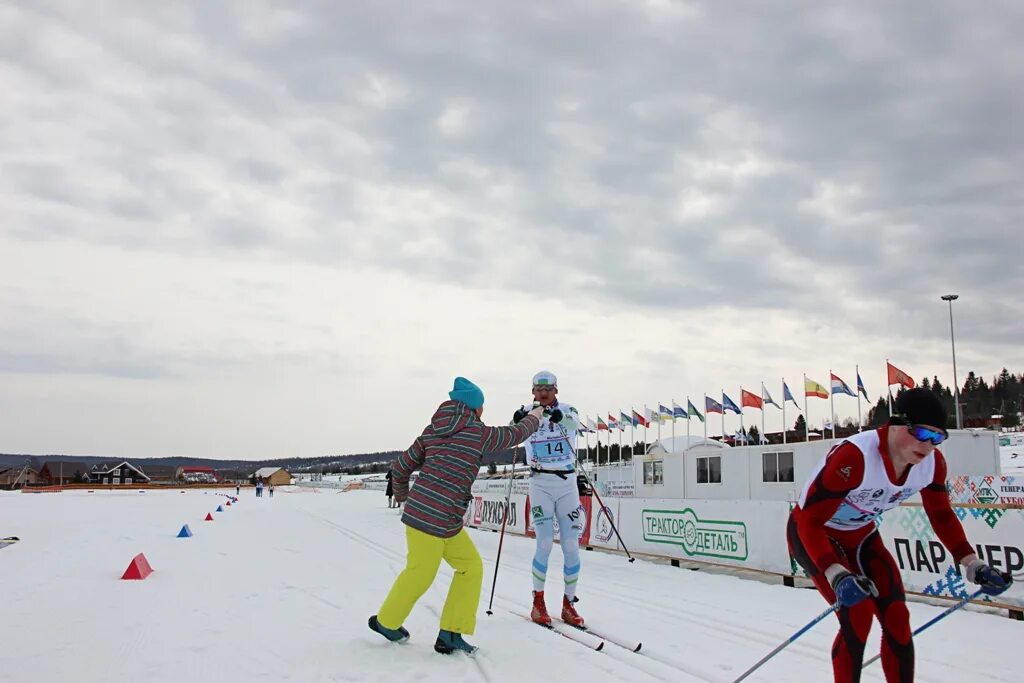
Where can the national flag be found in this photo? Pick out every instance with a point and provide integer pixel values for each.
(666, 413)
(679, 411)
(653, 415)
(692, 410)
(727, 404)
(612, 422)
(712, 406)
(860, 387)
(841, 387)
(591, 427)
(897, 376)
(640, 421)
(624, 418)
(812, 388)
(601, 424)
(751, 400)
(787, 395)
(768, 398)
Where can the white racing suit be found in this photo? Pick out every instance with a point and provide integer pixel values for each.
(554, 497)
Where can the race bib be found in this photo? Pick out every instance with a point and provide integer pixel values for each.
(551, 452)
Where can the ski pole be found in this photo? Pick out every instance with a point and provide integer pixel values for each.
(593, 489)
(786, 642)
(963, 601)
(501, 537)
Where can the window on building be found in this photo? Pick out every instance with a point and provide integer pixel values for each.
(709, 470)
(654, 473)
(777, 467)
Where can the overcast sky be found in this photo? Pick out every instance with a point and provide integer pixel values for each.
(271, 229)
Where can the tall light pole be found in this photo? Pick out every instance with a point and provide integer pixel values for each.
(950, 298)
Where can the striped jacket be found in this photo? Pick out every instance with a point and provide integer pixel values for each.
(448, 454)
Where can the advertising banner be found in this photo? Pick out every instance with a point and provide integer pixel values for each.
(747, 534)
(927, 567)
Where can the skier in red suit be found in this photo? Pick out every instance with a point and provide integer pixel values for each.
(833, 532)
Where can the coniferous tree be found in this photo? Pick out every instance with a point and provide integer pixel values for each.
(800, 425)
(878, 415)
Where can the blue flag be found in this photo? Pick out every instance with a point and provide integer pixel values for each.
(787, 395)
(728, 404)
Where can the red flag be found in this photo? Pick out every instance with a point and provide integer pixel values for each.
(749, 400)
(643, 421)
(897, 376)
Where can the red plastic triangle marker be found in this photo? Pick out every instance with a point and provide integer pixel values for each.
(138, 569)
(209, 517)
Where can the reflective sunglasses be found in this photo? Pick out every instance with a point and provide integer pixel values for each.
(543, 387)
(923, 434)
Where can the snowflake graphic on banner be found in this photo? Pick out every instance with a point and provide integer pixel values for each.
(950, 584)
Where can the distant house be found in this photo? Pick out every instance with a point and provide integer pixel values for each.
(272, 476)
(17, 477)
(58, 472)
(159, 474)
(197, 474)
(117, 473)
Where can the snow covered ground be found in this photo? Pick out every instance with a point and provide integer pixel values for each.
(1012, 460)
(280, 589)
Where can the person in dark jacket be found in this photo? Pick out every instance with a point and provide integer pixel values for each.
(390, 490)
(448, 454)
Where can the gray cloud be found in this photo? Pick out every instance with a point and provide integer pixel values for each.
(845, 164)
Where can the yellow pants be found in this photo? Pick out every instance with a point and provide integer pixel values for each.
(421, 564)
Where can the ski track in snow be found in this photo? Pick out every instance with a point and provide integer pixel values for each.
(280, 589)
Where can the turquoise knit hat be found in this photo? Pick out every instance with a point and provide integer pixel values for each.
(467, 392)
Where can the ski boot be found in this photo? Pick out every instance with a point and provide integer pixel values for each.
(448, 642)
(399, 635)
(540, 611)
(569, 613)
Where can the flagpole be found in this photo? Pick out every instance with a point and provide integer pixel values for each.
(688, 420)
(743, 431)
(723, 415)
(705, 417)
(857, 370)
(647, 422)
(832, 403)
(888, 386)
(632, 431)
(586, 435)
(807, 422)
(783, 411)
(621, 429)
(762, 412)
(673, 423)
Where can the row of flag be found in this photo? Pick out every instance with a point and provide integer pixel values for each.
(748, 399)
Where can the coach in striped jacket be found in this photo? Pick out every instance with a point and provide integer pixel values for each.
(448, 454)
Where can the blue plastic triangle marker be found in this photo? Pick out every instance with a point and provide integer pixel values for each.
(220, 508)
(185, 532)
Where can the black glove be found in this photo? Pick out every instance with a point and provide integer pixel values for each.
(518, 416)
(555, 415)
(851, 589)
(991, 581)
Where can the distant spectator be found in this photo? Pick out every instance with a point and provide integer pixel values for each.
(259, 489)
(271, 490)
(390, 490)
